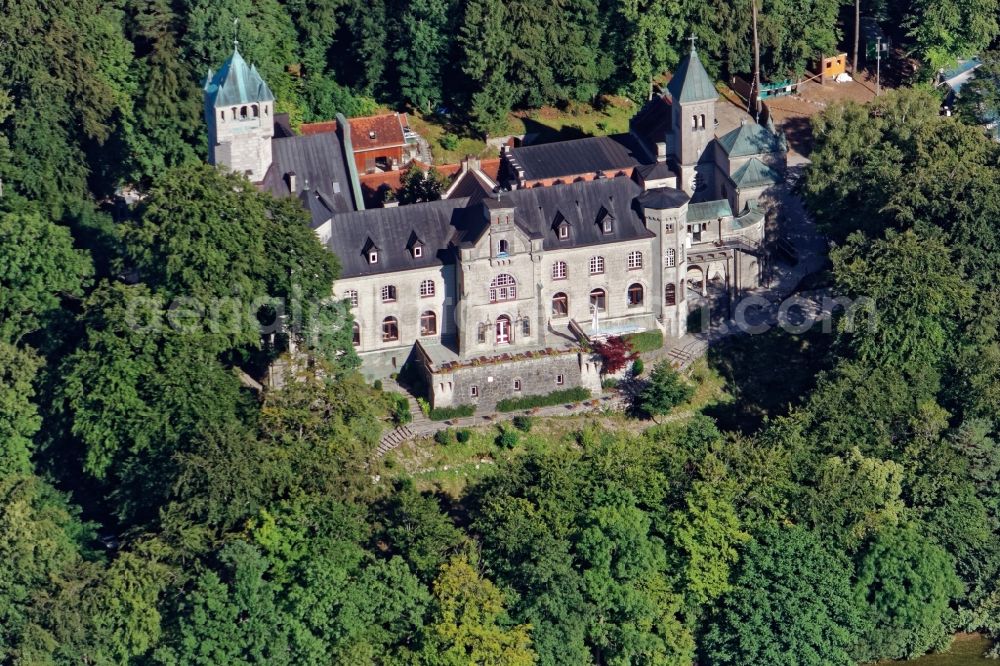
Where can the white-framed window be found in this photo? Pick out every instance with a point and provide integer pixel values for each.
(388, 293)
(596, 265)
(563, 231)
(599, 300)
(503, 288)
(373, 257)
(670, 258)
(635, 259)
(474, 391)
(418, 251)
(352, 297)
(517, 384)
(559, 270)
(606, 226)
(560, 380)
(427, 288)
(503, 248)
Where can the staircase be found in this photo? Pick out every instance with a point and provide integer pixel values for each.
(418, 422)
(394, 438)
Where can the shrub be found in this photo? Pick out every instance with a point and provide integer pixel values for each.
(645, 341)
(616, 353)
(637, 367)
(449, 141)
(444, 437)
(609, 383)
(562, 397)
(425, 406)
(507, 438)
(665, 390)
(378, 384)
(445, 413)
(522, 423)
(463, 435)
(400, 409)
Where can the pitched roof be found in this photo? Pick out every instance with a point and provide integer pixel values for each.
(653, 121)
(448, 223)
(709, 210)
(755, 174)
(691, 83)
(320, 172)
(236, 83)
(750, 139)
(373, 132)
(655, 171)
(318, 128)
(579, 157)
(663, 198)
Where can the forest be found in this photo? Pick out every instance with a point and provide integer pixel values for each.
(154, 509)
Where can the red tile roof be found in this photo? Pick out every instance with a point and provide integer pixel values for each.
(318, 128)
(376, 132)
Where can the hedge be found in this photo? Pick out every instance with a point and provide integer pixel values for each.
(445, 413)
(645, 341)
(577, 394)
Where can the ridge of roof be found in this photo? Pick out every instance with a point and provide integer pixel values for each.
(750, 139)
(755, 174)
(236, 83)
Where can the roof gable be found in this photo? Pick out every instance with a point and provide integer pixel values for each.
(755, 174)
(691, 83)
(374, 132)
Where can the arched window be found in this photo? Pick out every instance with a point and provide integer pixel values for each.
(670, 259)
(596, 265)
(390, 329)
(503, 288)
(222, 116)
(243, 113)
(505, 335)
(635, 259)
(560, 305)
(256, 111)
(598, 299)
(352, 296)
(694, 122)
(388, 293)
(503, 248)
(670, 294)
(559, 270)
(428, 323)
(703, 121)
(266, 110)
(427, 288)
(234, 113)
(635, 293)
(356, 332)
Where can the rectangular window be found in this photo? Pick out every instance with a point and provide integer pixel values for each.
(607, 226)
(517, 384)
(418, 251)
(668, 228)
(526, 326)
(373, 257)
(564, 231)
(474, 391)
(559, 380)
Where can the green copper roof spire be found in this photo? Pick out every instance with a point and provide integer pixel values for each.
(236, 83)
(691, 83)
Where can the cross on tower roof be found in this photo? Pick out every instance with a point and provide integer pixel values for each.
(693, 38)
(236, 41)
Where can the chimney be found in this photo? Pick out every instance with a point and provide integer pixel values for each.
(291, 181)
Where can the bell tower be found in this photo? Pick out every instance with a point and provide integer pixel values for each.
(239, 112)
(693, 97)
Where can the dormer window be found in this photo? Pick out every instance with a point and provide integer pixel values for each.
(418, 251)
(373, 257)
(371, 134)
(606, 225)
(503, 248)
(563, 231)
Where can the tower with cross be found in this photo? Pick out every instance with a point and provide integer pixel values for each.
(693, 98)
(239, 111)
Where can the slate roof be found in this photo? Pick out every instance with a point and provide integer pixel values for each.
(655, 171)
(471, 185)
(755, 174)
(691, 83)
(709, 210)
(578, 157)
(236, 83)
(663, 198)
(320, 171)
(750, 139)
(449, 223)
(654, 121)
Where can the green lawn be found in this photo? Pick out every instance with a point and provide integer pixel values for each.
(967, 650)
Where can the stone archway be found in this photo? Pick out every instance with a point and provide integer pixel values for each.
(695, 280)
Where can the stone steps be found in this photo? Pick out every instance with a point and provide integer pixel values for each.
(394, 438)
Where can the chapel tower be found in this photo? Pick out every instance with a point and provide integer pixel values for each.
(239, 111)
(693, 97)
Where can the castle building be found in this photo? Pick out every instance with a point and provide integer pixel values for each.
(489, 292)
